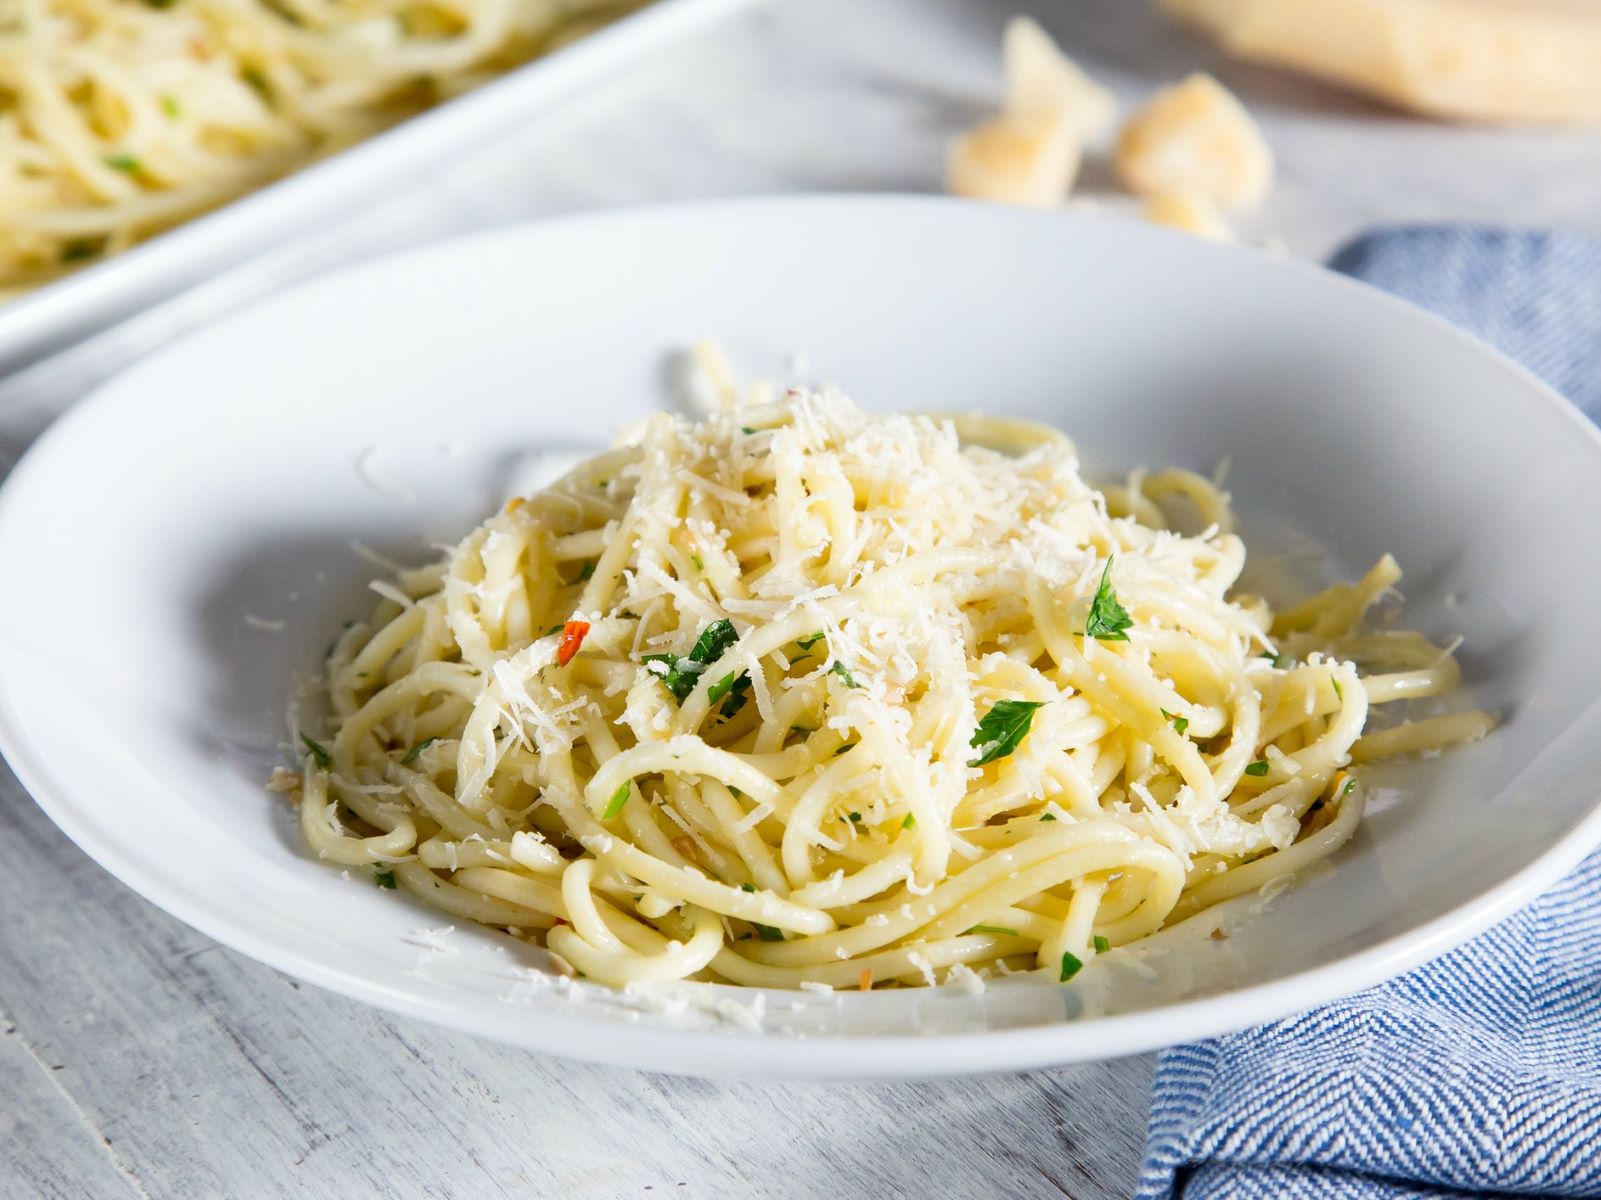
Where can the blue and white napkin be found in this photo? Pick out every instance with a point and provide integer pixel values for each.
(1479, 1074)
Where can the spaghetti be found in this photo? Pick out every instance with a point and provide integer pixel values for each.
(800, 695)
(120, 118)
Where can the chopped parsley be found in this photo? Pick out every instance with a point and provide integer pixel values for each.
(384, 879)
(721, 688)
(844, 672)
(1101, 944)
(695, 558)
(170, 106)
(1280, 662)
(679, 675)
(769, 934)
(1339, 693)
(838, 750)
(747, 887)
(618, 799)
(1346, 790)
(411, 755)
(1047, 816)
(746, 430)
(713, 640)
(555, 629)
(855, 816)
(318, 754)
(1108, 619)
(1258, 768)
(1000, 929)
(588, 571)
(736, 701)
(79, 249)
(735, 687)
(1180, 724)
(806, 643)
(1002, 730)
(1072, 964)
(258, 83)
(909, 822)
(126, 163)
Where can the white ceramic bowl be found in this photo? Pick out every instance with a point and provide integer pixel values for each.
(152, 540)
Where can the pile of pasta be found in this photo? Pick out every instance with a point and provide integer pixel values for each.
(803, 696)
(119, 118)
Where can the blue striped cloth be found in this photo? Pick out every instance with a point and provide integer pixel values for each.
(1479, 1074)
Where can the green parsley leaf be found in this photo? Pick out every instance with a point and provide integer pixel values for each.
(1003, 729)
(1180, 724)
(258, 83)
(746, 430)
(126, 163)
(411, 755)
(1346, 790)
(855, 816)
(680, 675)
(844, 673)
(1047, 816)
(1107, 619)
(736, 698)
(588, 571)
(838, 750)
(1101, 944)
(170, 106)
(1258, 768)
(1000, 929)
(1280, 662)
(909, 822)
(806, 643)
(747, 887)
(384, 879)
(318, 754)
(695, 558)
(1339, 693)
(713, 640)
(769, 934)
(161, 3)
(79, 249)
(734, 685)
(618, 799)
(555, 629)
(1071, 966)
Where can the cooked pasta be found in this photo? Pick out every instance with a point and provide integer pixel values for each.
(119, 118)
(798, 695)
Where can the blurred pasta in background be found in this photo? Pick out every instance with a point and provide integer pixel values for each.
(120, 118)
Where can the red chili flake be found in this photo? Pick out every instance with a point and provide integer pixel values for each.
(572, 637)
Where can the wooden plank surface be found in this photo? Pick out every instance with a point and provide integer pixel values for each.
(144, 1059)
(138, 1058)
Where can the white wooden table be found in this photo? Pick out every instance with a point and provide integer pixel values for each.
(138, 1058)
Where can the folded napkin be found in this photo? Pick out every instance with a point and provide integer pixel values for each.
(1479, 1074)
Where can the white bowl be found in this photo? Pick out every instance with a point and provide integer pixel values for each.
(215, 489)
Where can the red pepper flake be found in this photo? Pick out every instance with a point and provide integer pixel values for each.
(572, 637)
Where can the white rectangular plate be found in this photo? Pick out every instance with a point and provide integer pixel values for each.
(49, 318)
